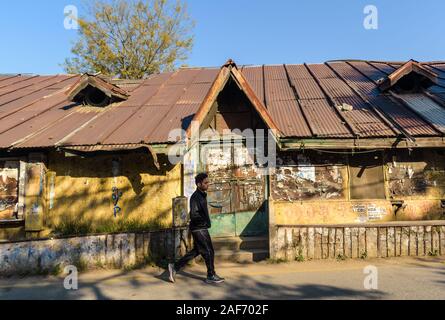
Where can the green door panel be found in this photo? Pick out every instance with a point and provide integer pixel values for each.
(223, 225)
(251, 223)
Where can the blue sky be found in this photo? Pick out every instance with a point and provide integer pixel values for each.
(34, 39)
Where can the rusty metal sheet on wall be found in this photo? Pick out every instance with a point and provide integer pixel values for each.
(416, 174)
(248, 195)
(303, 177)
(219, 197)
(9, 177)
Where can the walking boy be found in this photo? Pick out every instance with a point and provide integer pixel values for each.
(199, 225)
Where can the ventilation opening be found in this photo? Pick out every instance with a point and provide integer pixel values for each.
(96, 98)
(412, 83)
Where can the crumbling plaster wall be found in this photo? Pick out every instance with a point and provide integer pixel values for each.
(81, 189)
(313, 188)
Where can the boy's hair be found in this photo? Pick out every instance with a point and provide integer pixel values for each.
(201, 177)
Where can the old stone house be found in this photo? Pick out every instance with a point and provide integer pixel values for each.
(358, 143)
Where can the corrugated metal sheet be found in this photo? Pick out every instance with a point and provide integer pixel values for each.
(298, 72)
(356, 79)
(366, 123)
(34, 110)
(279, 90)
(206, 76)
(167, 95)
(181, 114)
(140, 96)
(403, 116)
(254, 76)
(53, 134)
(31, 126)
(275, 73)
(321, 71)
(384, 67)
(103, 126)
(323, 120)
(429, 109)
(307, 88)
(367, 69)
(289, 119)
(336, 87)
(138, 126)
(195, 93)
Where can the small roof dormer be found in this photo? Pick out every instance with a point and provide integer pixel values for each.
(95, 91)
(410, 77)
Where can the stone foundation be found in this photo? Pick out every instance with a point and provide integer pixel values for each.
(89, 252)
(358, 241)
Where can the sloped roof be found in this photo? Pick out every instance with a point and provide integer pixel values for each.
(303, 101)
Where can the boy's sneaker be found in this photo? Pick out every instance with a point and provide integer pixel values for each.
(172, 272)
(214, 279)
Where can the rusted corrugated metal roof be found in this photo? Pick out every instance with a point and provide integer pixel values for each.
(303, 100)
(429, 109)
(289, 118)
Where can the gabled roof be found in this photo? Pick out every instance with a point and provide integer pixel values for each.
(305, 101)
(410, 67)
(110, 90)
(230, 69)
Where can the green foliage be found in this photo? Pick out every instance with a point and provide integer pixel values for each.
(364, 255)
(71, 227)
(132, 39)
(275, 261)
(300, 257)
(56, 270)
(147, 260)
(80, 264)
(341, 257)
(433, 253)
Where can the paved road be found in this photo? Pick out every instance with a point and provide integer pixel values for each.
(399, 278)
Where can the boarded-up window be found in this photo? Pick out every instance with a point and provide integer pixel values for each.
(9, 177)
(366, 176)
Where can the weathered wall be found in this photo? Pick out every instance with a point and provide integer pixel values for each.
(81, 189)
(90, 252)
(35, 193)
(314, 188)
(366, 241)
(332, 212)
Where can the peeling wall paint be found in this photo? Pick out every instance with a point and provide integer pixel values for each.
(83, 189)
(416, 178)
(417, 175)
(304, 177)
(113, 251)
(9, 177)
